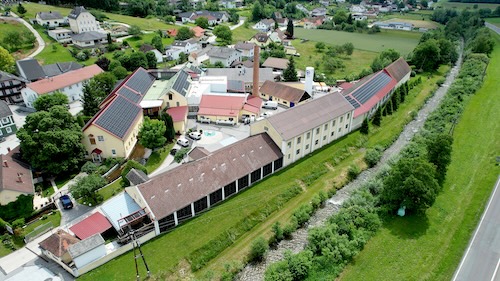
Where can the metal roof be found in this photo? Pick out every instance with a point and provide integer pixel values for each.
(95, 223)
(140, 81)
(30, 69)
(76, 12)
(119, 207)
(371, 88)
(181, 84)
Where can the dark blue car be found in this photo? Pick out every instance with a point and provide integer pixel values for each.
(66, 202)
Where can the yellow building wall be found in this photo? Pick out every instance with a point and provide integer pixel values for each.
(284, 103)
(263, 126)
(7, 196)
(177, 100)
(245, 112)
(123, 147)
(180, 126)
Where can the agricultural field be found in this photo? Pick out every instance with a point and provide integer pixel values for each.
(463, 6)
(402, 41)
(353, 64)
(9, 26)
(145, 24)
(242, 34)
(416, 22)
(430, 247)
(494, 21)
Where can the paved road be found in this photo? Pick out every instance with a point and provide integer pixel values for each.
(481, 260)
(492, 27)
(41, 43)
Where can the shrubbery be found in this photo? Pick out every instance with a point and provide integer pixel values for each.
(373, 155)
(258, 249)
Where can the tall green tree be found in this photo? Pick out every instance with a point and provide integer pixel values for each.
(439, 153)
(184, 33)
(426, 56)
(151, 58)
(410, 183)
(157, 43)
(51, 140)
(95, 90)
(202, 22)
(257, 11)
(135, 31)
(289, 29)
(86, 189)
(21, 10)
(365, 127)
(290, 74)
(224, 34)
(6, 61)
(45, 102)
(13, 40)
(377, 118)
(169, 126)
(151, 134)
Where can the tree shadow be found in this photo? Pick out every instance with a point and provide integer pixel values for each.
(408, 227)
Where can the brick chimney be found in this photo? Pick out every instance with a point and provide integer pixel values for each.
(256, 59)
(5, 163)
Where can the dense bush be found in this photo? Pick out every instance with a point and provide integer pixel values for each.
(353, 171)
(89, 167)
(372, 156)
(258, 249)
(303, 213)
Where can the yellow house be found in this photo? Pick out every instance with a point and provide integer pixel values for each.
(113, 131)
(228, 109)
(179, 117)
(15, 179)
(283, 94)
(307, 127)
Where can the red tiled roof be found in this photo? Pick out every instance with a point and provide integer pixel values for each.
(58, 243)
(346, 85)
(253, 104)
(398, 69)
(96, 223)
(64, 80)
(172, 32)
(198, 31)
(221, 105)
(9, 176)
(178, 113)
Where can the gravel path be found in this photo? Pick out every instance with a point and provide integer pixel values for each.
(298, 242)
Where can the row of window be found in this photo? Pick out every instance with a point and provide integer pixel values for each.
(7, 129)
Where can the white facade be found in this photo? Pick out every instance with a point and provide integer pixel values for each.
(60, 35)
(51, 23)
(234, 56)
(84, 22)
(263, 26)
(90, 256)
(74, 93)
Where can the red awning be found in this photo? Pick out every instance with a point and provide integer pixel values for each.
(96, 223)
(97, 151)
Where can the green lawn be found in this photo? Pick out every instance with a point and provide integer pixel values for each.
(111, 190)
(145, 24)
(242, 33)
(168, 252)
(402, 41)
(157, 157)
(137, 42)
(462, 6)
(430, 247)
(353, 64)
(9, 26)
(55, 218)
(495, 21)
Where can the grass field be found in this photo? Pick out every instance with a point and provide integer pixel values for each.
(430, 247)
(243, 34)
(353, 64)
(494, 21)
(462, 6)
(168, 253)
(416, 22)
(9, 26)
(145, 24)
(146, 38)
(402, 41)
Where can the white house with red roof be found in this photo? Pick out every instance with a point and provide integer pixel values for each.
(69, 83)
(228, 109)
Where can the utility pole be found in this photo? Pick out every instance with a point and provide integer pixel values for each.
(136, 244)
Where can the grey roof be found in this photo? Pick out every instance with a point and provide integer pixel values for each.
(217, 15)
(244, 46)
(137, 176)
(50, 15)
(235, 86)
(367, 87)
(179, 43)
(88, 36)
(76, 12)
(4, 109)
(118, 116)
(4, 76)
(86, 245)
(242, 74)
(222, 52)
(118, 207)
(194, 69)
(60, 68)
(30, 69)
(181, 82)
(140, 81)
(304, 117)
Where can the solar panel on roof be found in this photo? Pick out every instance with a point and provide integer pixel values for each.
(118, 116)
(127, 93)
(352, 101)
(181, 83)
(368, 90)
(140, 81)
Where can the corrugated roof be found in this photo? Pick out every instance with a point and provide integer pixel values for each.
(304, 117)
(179, 187)
(95, 223)
(118, 207)
(284, 92)
(88, 36)
(86, 245)
(221, 105)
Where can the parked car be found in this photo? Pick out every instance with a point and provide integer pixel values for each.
(66, 201)
(270, 105)
(183, 142)
(173, 152)
(195, 135)
(266, 114)
(204, 120)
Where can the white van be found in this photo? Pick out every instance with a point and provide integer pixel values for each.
(270, 104)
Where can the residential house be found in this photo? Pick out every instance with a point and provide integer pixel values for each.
(224, 55)
(198, 31)
(61, 35)
(245, 48)
(282, 22)
(7, 123)
(56, 246)
(89, 39)
(261, 39)
(243, 74)
(372, 91)
(187, 46)
(277, 64)
(88, 250)
(228, 109)
(307, 127)
(81, 20)
(264, 25)
(69, 83)
(179, 116)
(214, 18)
(31, 70)
(357, 9)
(318, 12)
(10, 88)
(277, 36)
(394, 25)
(15, 177)
(95, 223)
(50, 19)
(199, 56)
(359, 16)
(284, 95)
(148, 48)
(232, 4)
(187, 190)
(325, 3)
(113, 131)
(313, 22)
